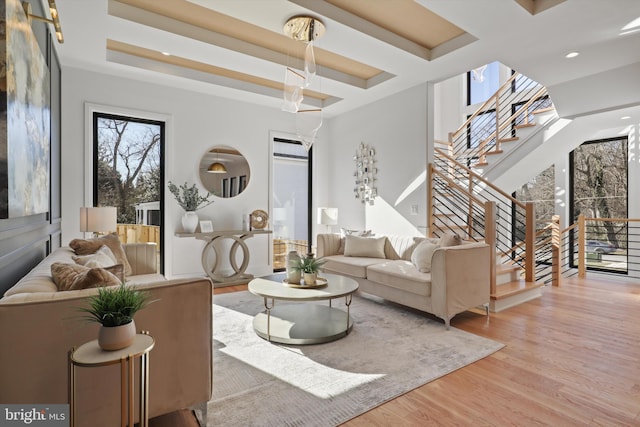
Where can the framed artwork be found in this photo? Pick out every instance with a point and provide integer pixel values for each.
(233, 187)
(206, 226)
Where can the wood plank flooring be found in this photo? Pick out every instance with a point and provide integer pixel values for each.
(572, 358)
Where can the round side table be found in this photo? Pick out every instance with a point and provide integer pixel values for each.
(90, 355)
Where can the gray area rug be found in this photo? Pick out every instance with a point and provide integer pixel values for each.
(390, 351)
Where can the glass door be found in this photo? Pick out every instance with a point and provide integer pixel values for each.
(291, 200)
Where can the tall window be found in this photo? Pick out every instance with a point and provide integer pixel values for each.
(482, 82)
(291, 199)
(599, 178)
(128, 175)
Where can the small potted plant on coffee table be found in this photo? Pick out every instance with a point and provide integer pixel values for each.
(309, 266)
(114, 309)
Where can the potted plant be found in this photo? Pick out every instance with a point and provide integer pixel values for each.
(114, 308)
(309, 266)
(190, 200)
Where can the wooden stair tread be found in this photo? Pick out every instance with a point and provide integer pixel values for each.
(506, 268)
(525, 125)
(514, 288)
(542, 110)
(513, 138)
(488, 153)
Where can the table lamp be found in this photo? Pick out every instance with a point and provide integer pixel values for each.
(98, 220)
(328, 217)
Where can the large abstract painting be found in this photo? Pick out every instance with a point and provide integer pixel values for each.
(24, 117)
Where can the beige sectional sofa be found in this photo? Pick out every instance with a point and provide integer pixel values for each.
(39, 325)
(458, 280)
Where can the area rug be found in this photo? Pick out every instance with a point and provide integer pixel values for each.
(390, 351)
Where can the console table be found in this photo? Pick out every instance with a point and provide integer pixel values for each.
(211, 250)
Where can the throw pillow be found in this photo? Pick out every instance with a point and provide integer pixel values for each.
(347, 232)
(450, 239)
(117, 270)
(370, 247)
(86, 247)
(103, 257)
(422, 254)
(71, 277)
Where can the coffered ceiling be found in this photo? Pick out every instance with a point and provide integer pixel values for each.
(371, 48)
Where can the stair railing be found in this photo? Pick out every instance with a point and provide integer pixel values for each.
(510, 107)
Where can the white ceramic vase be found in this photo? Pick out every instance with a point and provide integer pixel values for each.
(293, 275)
(116, 337)
(189, 222)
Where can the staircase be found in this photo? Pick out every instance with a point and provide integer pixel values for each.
(464, 201)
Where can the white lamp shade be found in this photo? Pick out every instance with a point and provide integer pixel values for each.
(98, 220)
(328, 216)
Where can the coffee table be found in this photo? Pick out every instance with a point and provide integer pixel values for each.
(304, 322)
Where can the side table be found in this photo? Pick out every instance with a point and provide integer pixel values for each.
(90, 355)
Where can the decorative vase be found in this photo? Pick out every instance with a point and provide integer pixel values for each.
(116, 337)
(310, 278)
(293, 275)
(189, 222)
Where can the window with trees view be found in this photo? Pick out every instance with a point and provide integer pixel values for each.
(128, 174)
(599, 178)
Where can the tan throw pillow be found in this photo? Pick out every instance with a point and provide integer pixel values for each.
(71, 277)
(370, 247)
(422, 254)
(87, 247)
(117, 270)
(346, 232)
(450, 239)
(103, 257)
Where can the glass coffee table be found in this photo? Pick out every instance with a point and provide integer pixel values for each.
(303, 321)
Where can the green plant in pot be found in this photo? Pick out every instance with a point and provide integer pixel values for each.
(113, 308)
(309, 266)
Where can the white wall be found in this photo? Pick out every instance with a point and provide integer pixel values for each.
(195, 122)
(396, 128)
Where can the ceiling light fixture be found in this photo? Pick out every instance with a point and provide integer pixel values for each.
(55, 20)
(572, 54)
(305, 29)
(216, 167)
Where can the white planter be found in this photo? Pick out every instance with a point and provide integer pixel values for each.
(116, 337)
(189, 222)
(310, 278)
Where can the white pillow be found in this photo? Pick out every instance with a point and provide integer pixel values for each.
(370, 247)
(347, 232)
(103, 257)
(422, 254)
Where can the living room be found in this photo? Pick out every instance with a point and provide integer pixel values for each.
(401, 125)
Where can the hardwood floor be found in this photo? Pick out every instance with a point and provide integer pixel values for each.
(572, 358)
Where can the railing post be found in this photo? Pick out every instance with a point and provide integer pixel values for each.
(431, 199)
(556, 252)
(497, 146)
(530, 243)
(490, 239)
(582, 259)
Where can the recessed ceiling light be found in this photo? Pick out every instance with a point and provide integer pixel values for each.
(572, 54)
(166, 53)
(625, 117)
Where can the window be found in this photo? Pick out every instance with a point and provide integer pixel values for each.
(127, 174)
(598, 185)
(482, 82)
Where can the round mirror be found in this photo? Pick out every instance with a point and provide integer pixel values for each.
(224, 171)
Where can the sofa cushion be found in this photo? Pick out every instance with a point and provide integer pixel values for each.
(400, 274)
(90, 246)
(401, 247)
(371, 247)
(450, 239)
(351, 266)
(344, 232)
(103, 257)
(71, 277)
(421, 256)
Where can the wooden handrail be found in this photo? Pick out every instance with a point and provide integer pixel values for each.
(482, 107)
(462, 190)
(480, 178)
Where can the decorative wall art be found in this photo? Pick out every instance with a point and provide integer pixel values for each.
(365, 174)
(24, 117)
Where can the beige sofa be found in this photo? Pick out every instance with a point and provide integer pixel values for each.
(38, 327)
(458, 280)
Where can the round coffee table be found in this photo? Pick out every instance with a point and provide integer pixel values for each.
(303, 323)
